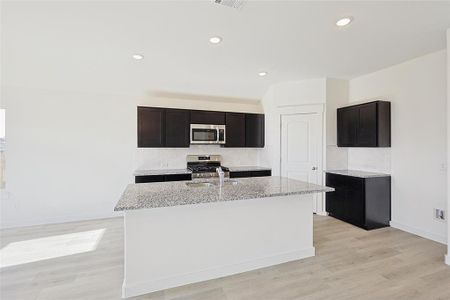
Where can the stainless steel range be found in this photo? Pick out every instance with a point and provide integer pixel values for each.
(205, 166)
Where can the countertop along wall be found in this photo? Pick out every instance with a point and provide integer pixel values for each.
(417, 158)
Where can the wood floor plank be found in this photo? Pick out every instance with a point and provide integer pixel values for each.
(350, 263)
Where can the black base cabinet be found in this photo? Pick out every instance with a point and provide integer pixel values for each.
(363, 202)
(243, 174)
(162, 178)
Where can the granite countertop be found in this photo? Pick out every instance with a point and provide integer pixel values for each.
(161, 172)
(248, 168)
(166, 194)
(356, 173)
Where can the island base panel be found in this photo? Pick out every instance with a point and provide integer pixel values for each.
(173, 246)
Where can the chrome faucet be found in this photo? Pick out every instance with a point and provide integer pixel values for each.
(221, 175)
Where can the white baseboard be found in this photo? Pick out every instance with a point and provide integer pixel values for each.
(140, 288)
(322, 213)
(422, 233)
(61, 219)
(447, 259)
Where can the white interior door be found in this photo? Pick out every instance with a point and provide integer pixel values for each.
(301, 149)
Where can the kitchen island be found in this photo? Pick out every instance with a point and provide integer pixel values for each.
(183, 232)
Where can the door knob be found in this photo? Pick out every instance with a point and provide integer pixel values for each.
(314, 168)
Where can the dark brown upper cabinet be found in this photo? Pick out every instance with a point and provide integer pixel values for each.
(167, 127)
(163, 127)
(254, 130)
(207, 117)
(347, 120)
(364, 125)
(235, 129)
(177, 128)
(151, 123)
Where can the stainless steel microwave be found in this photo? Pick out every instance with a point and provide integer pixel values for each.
(207, 134)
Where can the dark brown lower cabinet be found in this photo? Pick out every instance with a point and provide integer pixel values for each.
(162, 178)
(242, 174)
(363, 202)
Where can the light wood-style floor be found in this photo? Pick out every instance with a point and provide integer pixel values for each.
(350, 263)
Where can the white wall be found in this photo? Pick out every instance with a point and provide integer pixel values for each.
(69, 155)
(337, 96)
(417, 91)
(283, 96)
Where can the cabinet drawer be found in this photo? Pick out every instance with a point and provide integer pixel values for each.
(177, 177)
(261, 173)
(162, 178)
(240, 174)
(149, 178)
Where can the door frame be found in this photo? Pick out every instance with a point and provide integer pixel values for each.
(318, 109)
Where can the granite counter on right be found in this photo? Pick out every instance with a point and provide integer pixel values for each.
(357, 173)
(360, 198)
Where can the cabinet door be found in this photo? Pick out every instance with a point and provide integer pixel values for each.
(177, 128)
(367, 129)
(335, 201)
(235, 129)
(207, 117)
(254, 130)
(347, 126)
(150, 127)
(354, 201)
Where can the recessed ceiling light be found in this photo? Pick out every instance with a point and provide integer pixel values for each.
(344, 21)
(138, 56)
(215, 39)
(262, 74)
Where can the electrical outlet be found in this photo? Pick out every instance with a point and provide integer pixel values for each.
(439, 214)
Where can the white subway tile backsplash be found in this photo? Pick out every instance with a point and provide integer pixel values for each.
(370, 159)
(175, 158)
(337, 158)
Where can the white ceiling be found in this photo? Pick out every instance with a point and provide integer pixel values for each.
(87, 46)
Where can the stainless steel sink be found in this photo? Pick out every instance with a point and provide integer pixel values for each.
(199, 184)
(210, 183)
(229, 182)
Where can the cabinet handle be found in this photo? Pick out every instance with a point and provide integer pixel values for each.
(314, 168)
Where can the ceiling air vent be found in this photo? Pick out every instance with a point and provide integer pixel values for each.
(231, 3)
